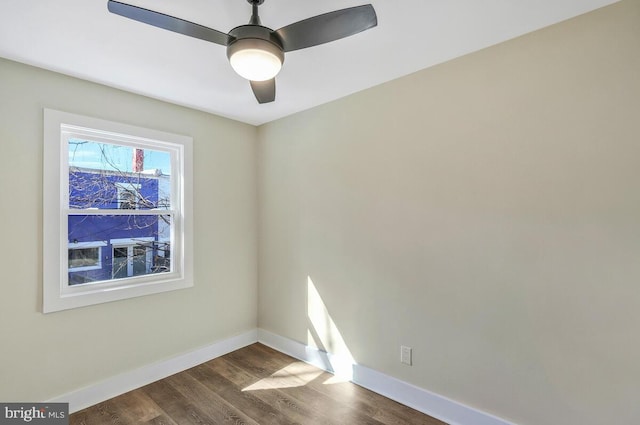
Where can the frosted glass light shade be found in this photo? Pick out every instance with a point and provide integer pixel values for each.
(255, 59)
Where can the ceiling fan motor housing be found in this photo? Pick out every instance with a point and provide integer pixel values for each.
(255, 37)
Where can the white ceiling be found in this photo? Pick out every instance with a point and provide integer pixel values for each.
(81, 38)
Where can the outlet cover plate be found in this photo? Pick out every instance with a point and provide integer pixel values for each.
(405, 355)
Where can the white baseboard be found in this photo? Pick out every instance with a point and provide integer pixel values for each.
(120, 384)
(432, 404)
(437, 406)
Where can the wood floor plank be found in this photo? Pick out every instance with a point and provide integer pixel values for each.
(255, 385)
(175, 405)
(139, 406)
(161, 420)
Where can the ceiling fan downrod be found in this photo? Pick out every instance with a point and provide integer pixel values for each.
(255, 19)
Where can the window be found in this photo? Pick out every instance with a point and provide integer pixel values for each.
(117, 211)
(85, 256)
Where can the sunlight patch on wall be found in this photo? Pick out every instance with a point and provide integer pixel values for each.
(325, 335)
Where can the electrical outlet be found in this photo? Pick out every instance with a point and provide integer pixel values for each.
(405, 355)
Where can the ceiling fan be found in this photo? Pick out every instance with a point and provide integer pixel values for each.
(255, 51)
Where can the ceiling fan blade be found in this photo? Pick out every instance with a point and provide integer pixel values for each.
(327, 27)
(167, 22)
(265, 91)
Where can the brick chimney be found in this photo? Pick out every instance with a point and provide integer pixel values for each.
(138, 160)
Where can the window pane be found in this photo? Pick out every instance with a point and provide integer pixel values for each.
(109, 176)
(135, 245)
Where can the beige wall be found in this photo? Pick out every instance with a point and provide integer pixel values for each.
(485, 212)
(42, 356)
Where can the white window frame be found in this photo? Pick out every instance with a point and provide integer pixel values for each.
(83, 245)
(59, 127)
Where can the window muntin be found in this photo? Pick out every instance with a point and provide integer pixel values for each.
(114, 182)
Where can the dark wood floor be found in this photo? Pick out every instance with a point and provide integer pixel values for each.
(254, 385)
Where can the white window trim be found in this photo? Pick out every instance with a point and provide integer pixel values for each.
(57, 295)
(83, 245)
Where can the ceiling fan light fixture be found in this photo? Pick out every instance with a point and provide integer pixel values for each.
(255, 59)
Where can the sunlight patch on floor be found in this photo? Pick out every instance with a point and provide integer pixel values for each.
(296, 374)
